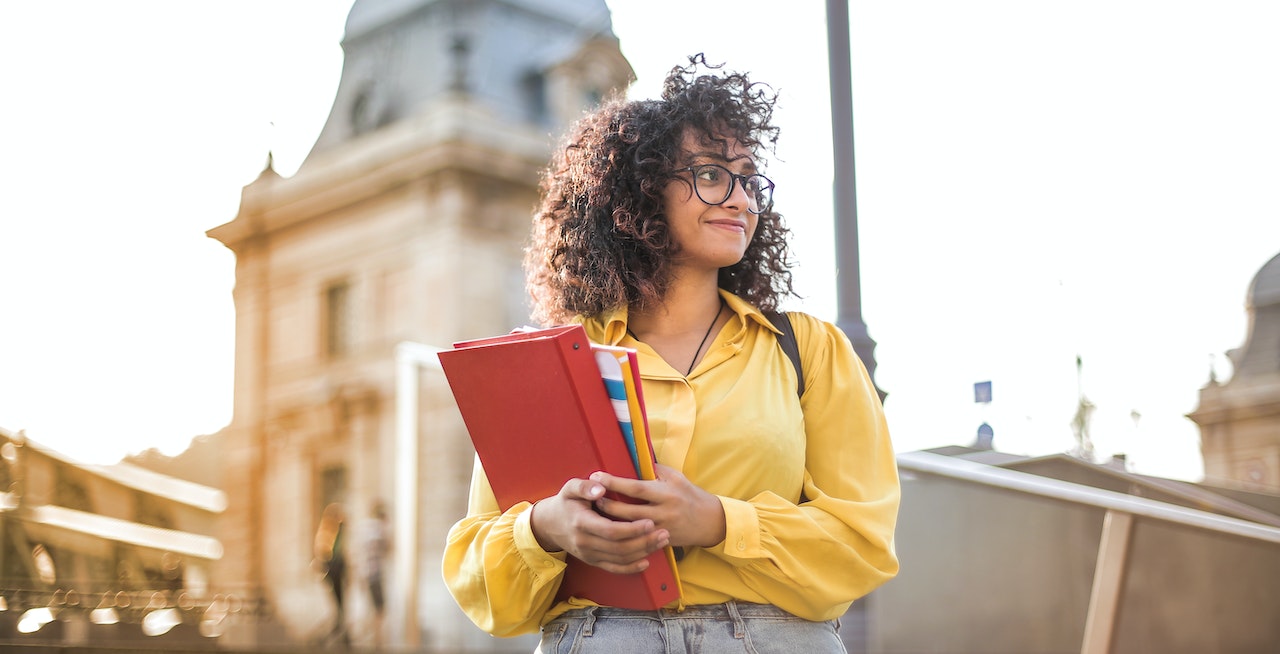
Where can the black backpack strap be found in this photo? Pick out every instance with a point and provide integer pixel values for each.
(789, 345)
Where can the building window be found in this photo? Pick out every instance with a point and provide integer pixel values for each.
(70, 493)
(338, 319)
(535, 98)
(150, 510)
(333, 485)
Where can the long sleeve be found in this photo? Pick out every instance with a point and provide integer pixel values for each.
(494, 568)
(814, 558)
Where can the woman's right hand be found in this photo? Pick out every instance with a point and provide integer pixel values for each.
(568, 521)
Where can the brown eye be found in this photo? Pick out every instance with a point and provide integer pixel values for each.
(710, 174)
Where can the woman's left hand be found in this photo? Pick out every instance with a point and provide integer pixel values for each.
(690, 514)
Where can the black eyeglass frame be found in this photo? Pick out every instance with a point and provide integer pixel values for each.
(734, 178)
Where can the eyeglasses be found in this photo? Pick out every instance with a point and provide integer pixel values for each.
(714, 184)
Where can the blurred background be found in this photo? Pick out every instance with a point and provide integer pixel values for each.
(222, 221)
(1035, 182)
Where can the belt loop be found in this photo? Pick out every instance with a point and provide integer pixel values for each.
(590, 622)
(739, 626)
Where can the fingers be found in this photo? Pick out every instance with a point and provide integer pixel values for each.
(587, 490)
(623, 569)
(691, 515)
(656, 498)
(555, 518)
(569, 522)
(646, 491)
(623, 555)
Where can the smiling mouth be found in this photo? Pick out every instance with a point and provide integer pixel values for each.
(729, 225)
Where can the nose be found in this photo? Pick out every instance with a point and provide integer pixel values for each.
(738, 199)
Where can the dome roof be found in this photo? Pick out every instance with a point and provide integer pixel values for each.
(1260, 355)
(1265, 289)
(368, 15)
(401, 56)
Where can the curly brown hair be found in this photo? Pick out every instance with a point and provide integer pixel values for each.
(600, 239)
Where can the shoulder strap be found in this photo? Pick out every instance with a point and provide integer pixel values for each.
(789, 345)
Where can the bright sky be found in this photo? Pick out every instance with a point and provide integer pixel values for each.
(1035, 181)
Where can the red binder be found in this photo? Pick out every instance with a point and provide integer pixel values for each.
(538, 414)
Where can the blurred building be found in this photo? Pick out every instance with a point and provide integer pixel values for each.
(1240, 419)
(404, 225)
(105, 554)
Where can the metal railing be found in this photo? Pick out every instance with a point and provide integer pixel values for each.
(1117, 527)
(945, 466)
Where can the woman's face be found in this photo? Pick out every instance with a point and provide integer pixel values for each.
(709, 237)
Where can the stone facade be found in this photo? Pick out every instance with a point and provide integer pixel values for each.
(1240, 419)
(405, 224)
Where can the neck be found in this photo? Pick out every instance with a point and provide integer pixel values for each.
(687, 306)
(680, 328)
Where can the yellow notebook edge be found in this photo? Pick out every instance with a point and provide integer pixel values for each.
(639, 423)
(640, 426)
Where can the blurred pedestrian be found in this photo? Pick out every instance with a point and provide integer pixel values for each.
(330, 558)
(376, 547)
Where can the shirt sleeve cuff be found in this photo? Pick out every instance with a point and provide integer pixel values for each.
(540, 561)
(741, 529)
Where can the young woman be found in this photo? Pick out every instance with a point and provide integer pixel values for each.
(657, 232)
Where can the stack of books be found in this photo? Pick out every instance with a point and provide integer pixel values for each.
(545, 406)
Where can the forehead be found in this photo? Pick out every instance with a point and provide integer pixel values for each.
(697, 145)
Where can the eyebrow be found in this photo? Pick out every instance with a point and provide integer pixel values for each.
(749, 167)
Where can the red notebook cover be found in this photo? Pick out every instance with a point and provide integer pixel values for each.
(538, 414)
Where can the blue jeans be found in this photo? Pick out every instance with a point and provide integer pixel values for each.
(733, 627)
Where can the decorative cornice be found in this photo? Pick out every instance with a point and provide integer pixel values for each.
(1240, 399)
(452, 134)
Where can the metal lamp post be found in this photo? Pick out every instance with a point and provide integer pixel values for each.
(848, 282)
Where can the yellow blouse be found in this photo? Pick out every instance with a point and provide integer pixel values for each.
(735, 428)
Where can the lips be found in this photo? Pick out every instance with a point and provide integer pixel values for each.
(732, 225)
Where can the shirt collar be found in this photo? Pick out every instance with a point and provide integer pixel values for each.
(611, 326)
(747, 310)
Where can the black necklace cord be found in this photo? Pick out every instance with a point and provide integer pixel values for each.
(719, 310)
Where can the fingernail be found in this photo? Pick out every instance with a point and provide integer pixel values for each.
(596, 491)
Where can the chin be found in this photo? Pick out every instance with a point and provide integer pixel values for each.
(731, 261)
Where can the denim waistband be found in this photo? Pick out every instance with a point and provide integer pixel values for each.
(731, 610)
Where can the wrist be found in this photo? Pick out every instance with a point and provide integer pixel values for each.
(716, 524)
(545, 539)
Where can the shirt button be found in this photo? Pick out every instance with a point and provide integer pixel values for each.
(741, 545)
